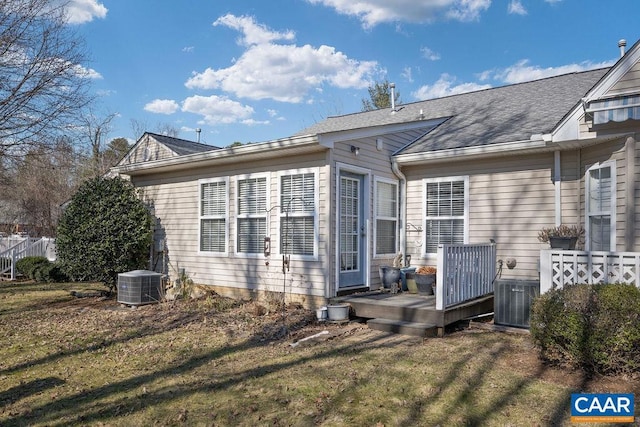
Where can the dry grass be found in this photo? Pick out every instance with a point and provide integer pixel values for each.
(69, 361)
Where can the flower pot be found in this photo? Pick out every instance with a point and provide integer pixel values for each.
(389, 275)
(321, 314)
(406, 274)
(565, 243)
(338, 312)
(425, 283)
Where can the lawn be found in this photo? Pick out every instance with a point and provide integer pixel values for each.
(88, 361)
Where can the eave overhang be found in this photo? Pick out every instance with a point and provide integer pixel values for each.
(537, 144)
(238, 154)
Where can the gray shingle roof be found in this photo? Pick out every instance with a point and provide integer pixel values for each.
(182, 146)
(502, 114)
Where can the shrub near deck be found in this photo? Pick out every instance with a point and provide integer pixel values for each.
(593, 327)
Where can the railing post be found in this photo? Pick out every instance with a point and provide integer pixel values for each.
(440, 279)
(13, 264)
(546, 270)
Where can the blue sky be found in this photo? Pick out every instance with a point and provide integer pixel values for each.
(254, 70)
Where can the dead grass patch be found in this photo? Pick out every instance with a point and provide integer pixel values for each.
(89, 361)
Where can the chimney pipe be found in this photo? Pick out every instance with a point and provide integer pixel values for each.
(622, 44)
(198, 130)
(393, 96)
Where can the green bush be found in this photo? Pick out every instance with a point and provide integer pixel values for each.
(104, 230)
(40, 269)
(593, 327)
(27, 265)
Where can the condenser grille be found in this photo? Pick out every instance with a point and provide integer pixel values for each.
(139, 287)
(512, 301)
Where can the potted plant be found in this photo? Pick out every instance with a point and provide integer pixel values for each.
(425, 278)
(562, 237)
(391, 274)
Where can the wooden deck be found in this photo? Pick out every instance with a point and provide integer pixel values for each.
(411, 314)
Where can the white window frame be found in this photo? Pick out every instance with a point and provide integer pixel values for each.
(282, 214)
(225, 216)
(612, 212)
(433, 256)
(377, 217)
(239, 216)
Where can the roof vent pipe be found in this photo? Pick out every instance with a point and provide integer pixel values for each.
(198, 130)
(622, 44)
(393, 96)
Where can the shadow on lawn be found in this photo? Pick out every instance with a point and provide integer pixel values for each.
(86, 407)
(104, 403)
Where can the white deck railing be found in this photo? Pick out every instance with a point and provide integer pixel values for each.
(24, 247)
(465, 272)
(559, 268)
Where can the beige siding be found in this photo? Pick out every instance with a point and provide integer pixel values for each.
(175, 200)
(509, 201)
(630, 82)
(614, 150)
(147, 149)
(377, 163)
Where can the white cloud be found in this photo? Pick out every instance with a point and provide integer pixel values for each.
(272, 113)
(446, 86)
(217, 109)
(516, 7)
(188, 49)
(429, 54)
(81, 11)
(374, 12)
(88, 73)
(253, 33)
(162, 106)
(283, 72)
(522, 71)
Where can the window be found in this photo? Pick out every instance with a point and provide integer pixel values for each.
(298, 213)
(600, 187)
(252, 214)
(213, 215)
(446, 210)
(386, 231)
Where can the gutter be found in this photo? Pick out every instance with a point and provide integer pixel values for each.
(264, 150)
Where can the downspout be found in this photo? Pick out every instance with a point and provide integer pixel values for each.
(401, 204)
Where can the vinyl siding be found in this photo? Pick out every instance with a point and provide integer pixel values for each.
(147, 149)
(509, 201)
(175, 198)
(377, 164)
(601, 153)
(630, 82)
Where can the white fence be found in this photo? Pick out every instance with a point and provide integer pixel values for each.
(559, 268)
(465, 272)
(14, 248)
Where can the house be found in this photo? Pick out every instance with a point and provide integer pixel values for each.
(316, 214)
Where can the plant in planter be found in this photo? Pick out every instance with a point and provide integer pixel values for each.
(563, 236)
(425, 278)
(391, 274)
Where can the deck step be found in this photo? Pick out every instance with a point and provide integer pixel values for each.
(402, 327)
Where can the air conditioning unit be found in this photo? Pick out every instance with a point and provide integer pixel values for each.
(512, 301)
(139, 287)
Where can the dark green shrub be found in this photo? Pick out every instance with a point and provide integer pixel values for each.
(28, 265)
(104, 230)
(593, 327)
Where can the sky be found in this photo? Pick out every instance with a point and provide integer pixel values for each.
(257, 70)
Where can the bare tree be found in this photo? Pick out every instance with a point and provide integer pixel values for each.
(95, 129)
(42, 180)
(43, 84)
